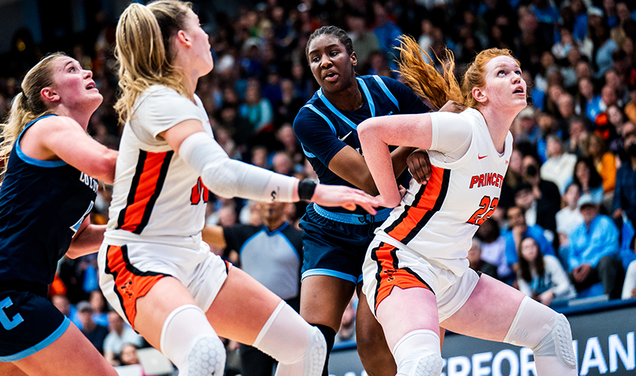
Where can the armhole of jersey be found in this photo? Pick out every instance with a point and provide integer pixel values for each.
(386, 91)
(307, 153)
(30, 160)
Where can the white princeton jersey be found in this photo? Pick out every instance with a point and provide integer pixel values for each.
(438, 220)
(156, 194)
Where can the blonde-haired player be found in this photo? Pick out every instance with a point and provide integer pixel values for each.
(155, 270)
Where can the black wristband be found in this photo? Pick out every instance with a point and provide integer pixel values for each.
(306, 189)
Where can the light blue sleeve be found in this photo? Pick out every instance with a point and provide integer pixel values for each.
(603, 240)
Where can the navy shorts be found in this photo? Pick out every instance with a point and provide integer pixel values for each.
(335, 244)
(28, 323)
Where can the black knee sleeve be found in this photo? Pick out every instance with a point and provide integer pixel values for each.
(330, 336)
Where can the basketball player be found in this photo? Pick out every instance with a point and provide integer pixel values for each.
(49, 188)
(334, 240)
(155, 270)
(417, 262)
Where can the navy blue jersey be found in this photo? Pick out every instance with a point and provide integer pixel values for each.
(323, 130)
(42, 205)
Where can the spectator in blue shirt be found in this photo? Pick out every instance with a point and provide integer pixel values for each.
(592, 252)
(518, 230)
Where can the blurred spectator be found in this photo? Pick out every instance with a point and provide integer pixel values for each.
(256, 109)
(566, 108)
(289, 104)
(95, 333)
(618, 145)
(282, 163)
(517, 230)
(542, 277)
(100, 307)
(493, 247)
(528, 129)
(364, 40)
(593, 250)
(559, 167)
(119, 333)
(629, 287)
(385, 30)
(613, 80)
(605, 164)
(568, 218)
(539, 198)
(478, 263)
(129, 356)
(586, 176)
(61, 302)
(625, 192)
(578, 136)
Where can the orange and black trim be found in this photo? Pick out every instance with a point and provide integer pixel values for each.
(150, 175)
(130, 282)
(427, 202)
(389, 274)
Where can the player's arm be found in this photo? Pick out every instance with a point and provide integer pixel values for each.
(227, 177)
(87, 239)
(213, 235)
(376, 134)
(352, 167)
(64, 138)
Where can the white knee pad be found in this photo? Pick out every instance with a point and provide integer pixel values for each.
(418, 354)
(187, 338)
(544, 331)
(299, 347)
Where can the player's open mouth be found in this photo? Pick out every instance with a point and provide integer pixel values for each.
(331, 77)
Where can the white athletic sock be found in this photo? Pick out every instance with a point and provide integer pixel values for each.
(299, 347)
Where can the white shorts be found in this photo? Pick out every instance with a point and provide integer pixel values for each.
(386, 266)
(129, 271)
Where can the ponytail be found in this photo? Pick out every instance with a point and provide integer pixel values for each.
(144, 52)
(427, 82)
(27, 106)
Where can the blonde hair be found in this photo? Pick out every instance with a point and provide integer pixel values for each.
(144, 50)
(427, 82)
(27, 105)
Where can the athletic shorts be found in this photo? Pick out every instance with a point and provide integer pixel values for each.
(334, 244)
(28, 324)
(386, 266)
(129, 271)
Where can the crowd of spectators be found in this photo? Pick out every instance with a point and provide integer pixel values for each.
(571, 184)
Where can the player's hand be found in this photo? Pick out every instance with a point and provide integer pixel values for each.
(348, 198)
(546, 297)
(419, 165)
(452, 106)
(581, 272)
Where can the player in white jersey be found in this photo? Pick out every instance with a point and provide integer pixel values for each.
(417, 263)
(154, 268)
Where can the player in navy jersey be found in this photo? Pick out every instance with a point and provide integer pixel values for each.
(49, 188)
(335, 241)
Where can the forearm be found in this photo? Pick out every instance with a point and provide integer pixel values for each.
(379, 161)
(87, 241)
(398, 158)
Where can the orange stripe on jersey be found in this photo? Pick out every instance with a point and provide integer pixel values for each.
(147, 182)
(389, 275)
(427, 202)
(130, 282)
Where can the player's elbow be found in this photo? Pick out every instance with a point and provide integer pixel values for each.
(104, 168)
